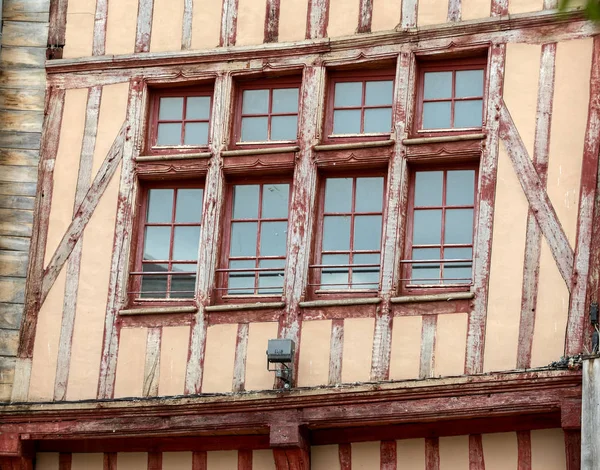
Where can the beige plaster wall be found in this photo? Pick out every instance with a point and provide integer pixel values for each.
(548, 450)
(524, 6)
(46, 461)
(313, 367)
(222, 460)
(263, 460)
(251, 22)
(292, 20)
(132, 460)
(406, 347)
(177, 461)
(450, 344)
(87, 461)
(324, 458)
(386, 15)
(366, 455)
(474, 9)
(257, 375)
(343, 17)
(218, 358)
(167, 25)
(130, 362)
(79, 33)
(206, 24)
(358, 348)
(121, 27)
(173, 360)
(410, 454)
(432, 12)
(500, 451)
(454, 453)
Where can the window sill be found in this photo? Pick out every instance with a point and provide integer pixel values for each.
(254, 306)
(444, 138)
(340, 302)
(405, 299)
(158, 310)
(173, 156)
(354, 145)
(259, 151)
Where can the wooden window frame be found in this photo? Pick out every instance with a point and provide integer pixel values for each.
(406, 267)
(448, 65)
(184, 92)
(314, 276)
(363, 76)
(263, 84)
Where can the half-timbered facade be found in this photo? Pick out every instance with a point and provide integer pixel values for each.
(407, 190)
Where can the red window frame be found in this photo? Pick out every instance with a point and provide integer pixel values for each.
(136, 269)
(188, 92)
(454, 65)
(314, 279)
(406, 264)
(363, 76)
(222, 289)
(264, 84)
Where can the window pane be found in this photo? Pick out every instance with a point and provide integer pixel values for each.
(436, 115)
(367, 232)
(427, 227)
(334, 278)
(185, 243)
(241, 282)
(348, 94)
(254, 129)
(156, 243)
(243, 239)
(154, 286)
(160, 205)
(378, 93)
(284, 127)
(469, 83)
(169, 134)
(425, 273)
(189, 205)
(338, 195)
(459, 226)
(255, 102)
(369, 194)
(336, 233)
(285, 100)
(428, 188)
(437, 85)
(378, 120)
(183, 286)
(458, 273)
(245, 201)
(460, 187)
(273, 236)
(468, 113)
(271, 282)
(368, 277)
(275, 201)
(198, 107)
(196, 133)
(170, 109)
(346, 122)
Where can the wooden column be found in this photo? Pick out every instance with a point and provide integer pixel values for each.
(590, 415)
(291, 449)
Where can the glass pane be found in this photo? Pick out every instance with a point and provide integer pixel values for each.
(347, 94)
(425, 273)
(284, 127)
(271, 282)
(459, 226)
(436, 115)
(160, 205)
(255, 102)
(437, 85)
(367, 277)
(469, 83)
(189, 205)
(154, 286)
(285, 101)
(334, 278)
(367, 232)
(183, 286)
(336, 233)
(427, 227)
(468, 113)
(243, 239)
(369, 194)
(346, 122)
(254, 129)
(460, 187)
(241, 282)
(169, 134)
(156, 243)
(198, 107)
(273, 236)
(196, 133)
(275, 201)
(458, 273)
(245, 201)
(170, 109)
(378, 120)
(338, 195)
(428, 188)
(378, 93)
(185, 243)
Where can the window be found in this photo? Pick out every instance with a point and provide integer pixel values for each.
(349, 246)
(451, 96)
(168, 243)
(267, 113)
(439, 248)
(255, 248)
(180, 118)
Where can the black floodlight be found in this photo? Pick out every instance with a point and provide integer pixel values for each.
(281, 351)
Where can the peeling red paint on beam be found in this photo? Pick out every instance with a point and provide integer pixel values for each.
(476, 460)
(388, 459)
(499, 8)
(272, 21)
(317, 19)
(244, 459)
(524, 450)
(239, 363)
(57, 28)
(64, 461)
(365, 16)
(154, 461)
(186, 32)
(345, 456)
(229, 14)
(440, 307)
(454, 10)
(432, 453)
(533, 238)
(428, 333)
(143, 31)
(152, 362)
(100, 21)
(336, 350)
(574, 341)
(199, 461)
(573, 449)
(409, 13)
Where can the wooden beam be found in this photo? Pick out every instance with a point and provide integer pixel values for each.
(239, 363)
(317, 19)
(345, 456)
(57, 28)
(573, 449)
(432, 453)
(143, 31)
(272, 21)
(244, 459)
(152, 362)
(336, 350)
(454, 10)
(590, 415)
(524, 450)
(476, 460)
(365, 16)
(100, 21)
(229, 15)
(409, 14)
(186, 33)
(428, 333)
(388, 455)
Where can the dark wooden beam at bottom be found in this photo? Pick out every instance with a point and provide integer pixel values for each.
(292, 458)
(16, 463)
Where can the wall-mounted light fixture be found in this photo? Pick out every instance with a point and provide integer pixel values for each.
(281, 351)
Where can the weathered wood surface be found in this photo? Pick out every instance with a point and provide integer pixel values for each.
(186, 31)
(239, 362)
(228, 23)
(144, 25)
(590, 415)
